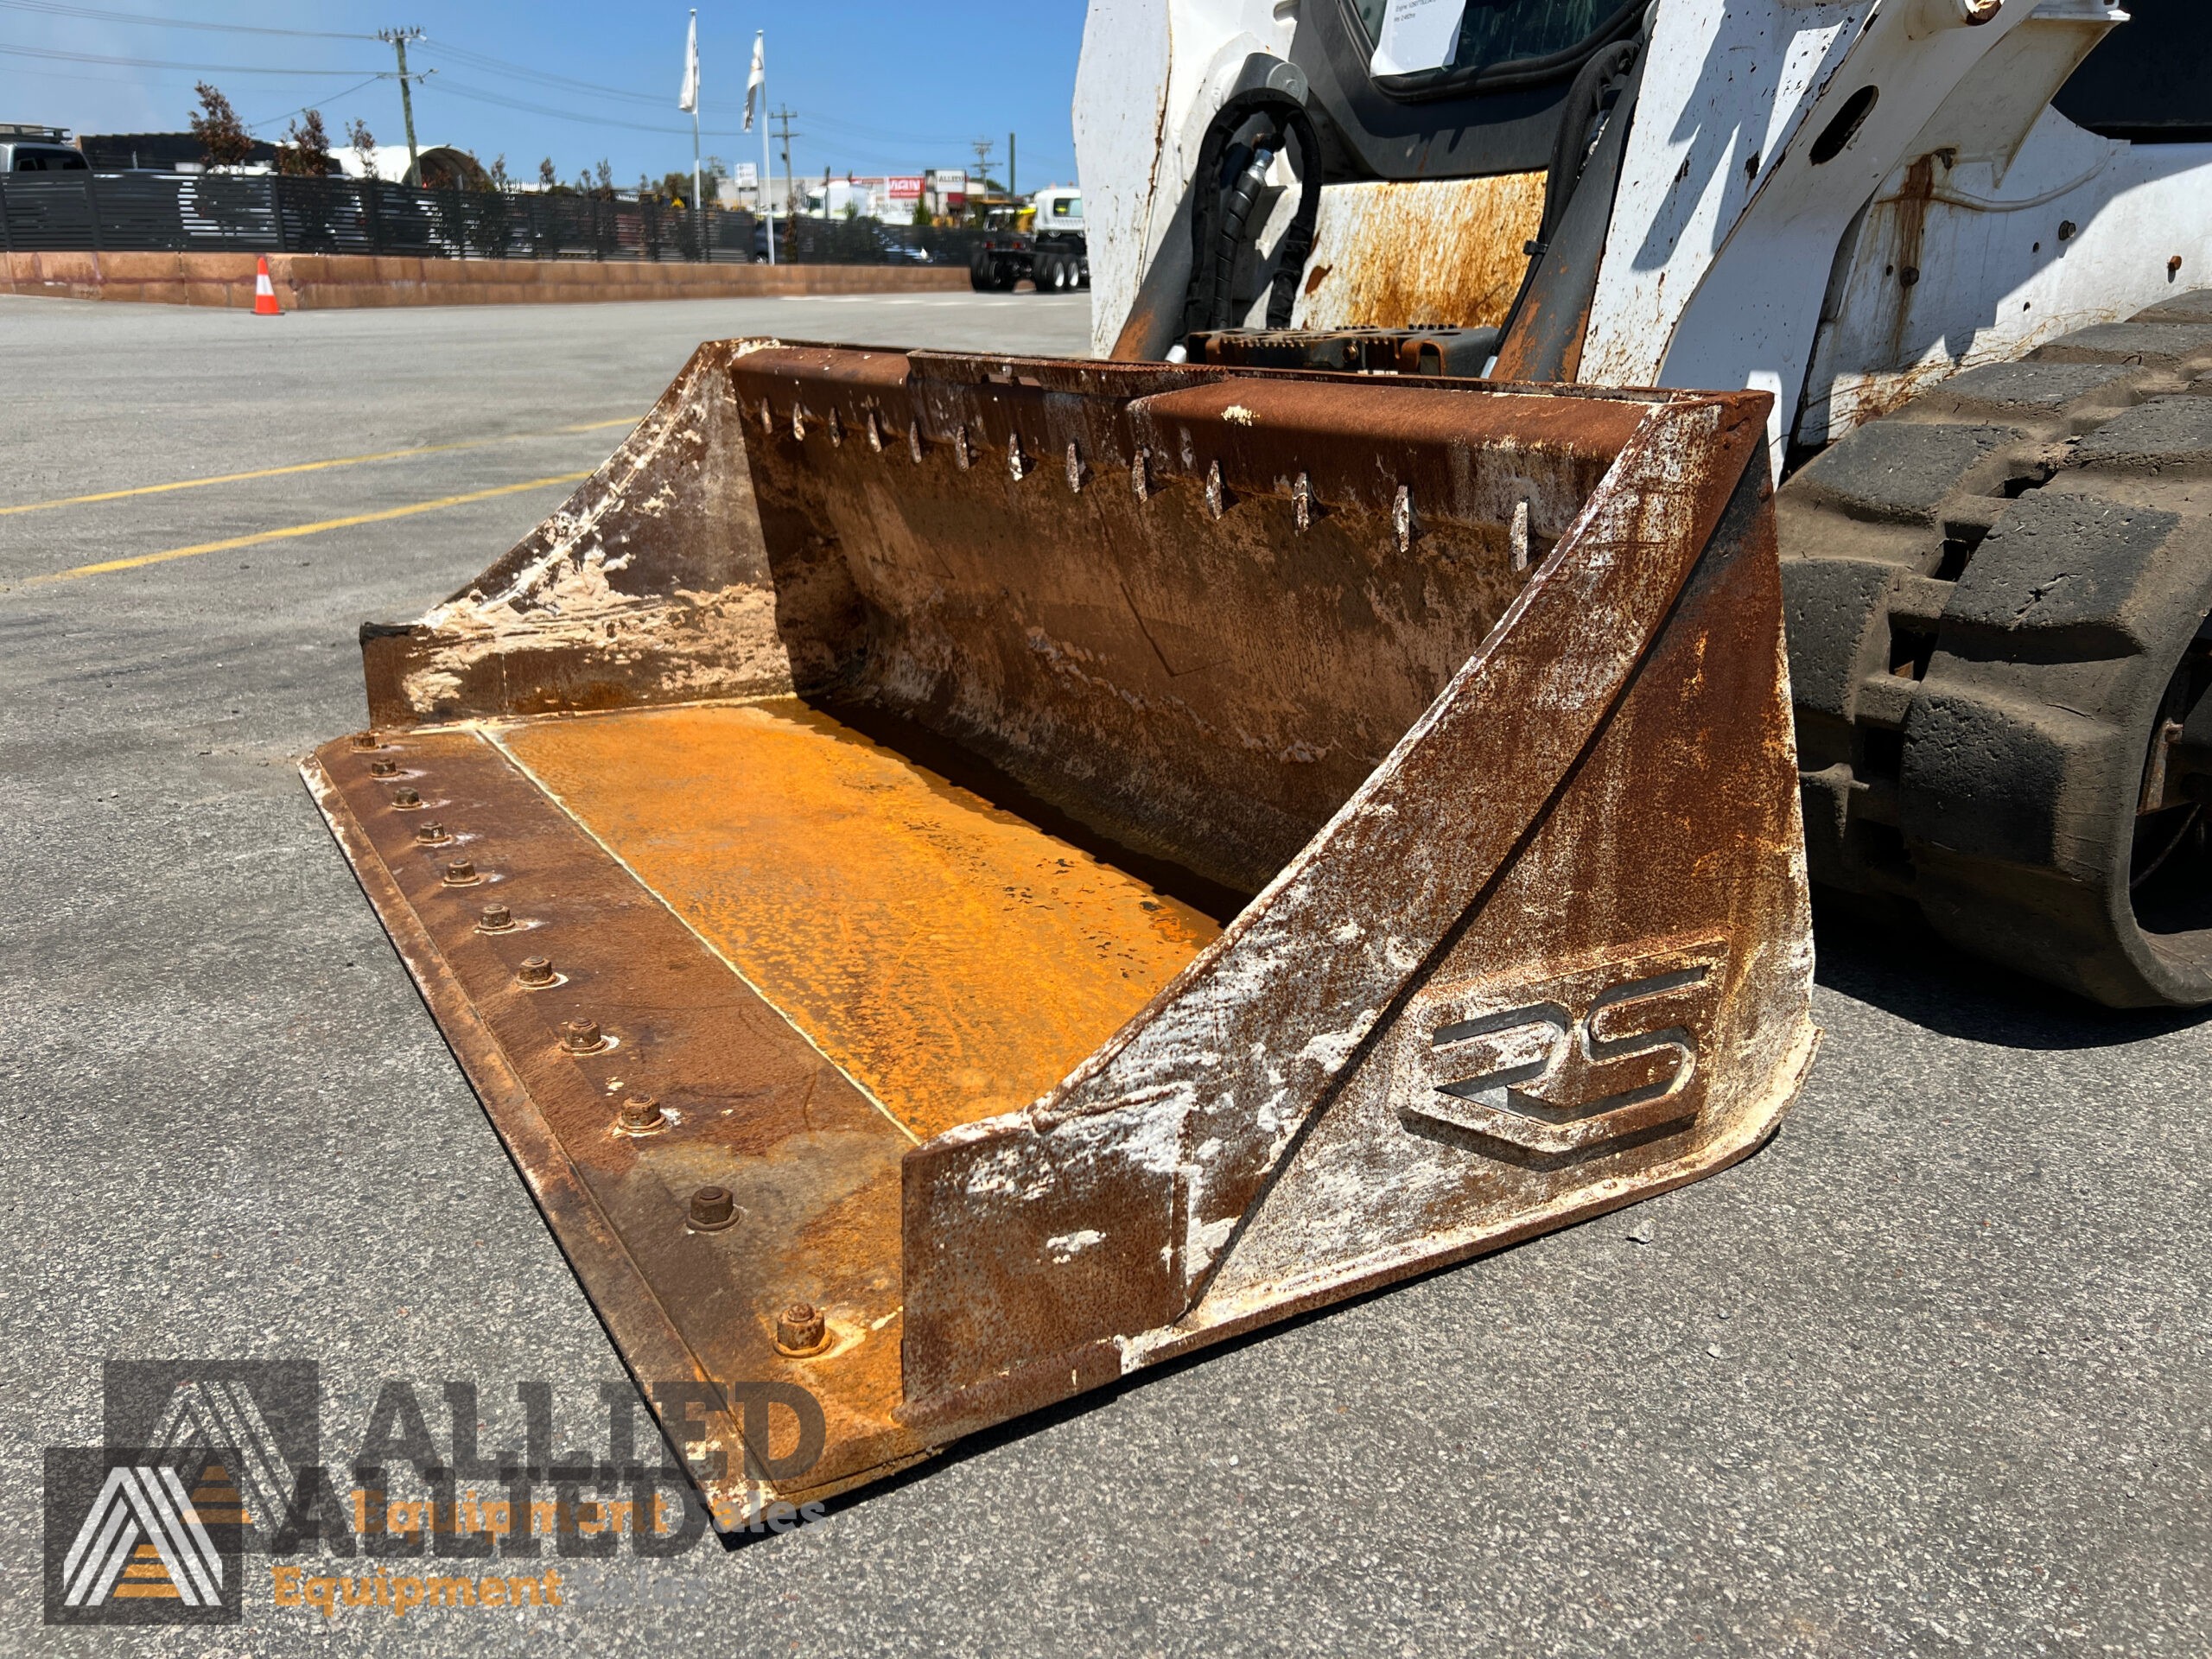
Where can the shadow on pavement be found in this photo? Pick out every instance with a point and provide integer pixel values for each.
(1901, 967)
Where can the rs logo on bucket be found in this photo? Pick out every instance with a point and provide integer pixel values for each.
(1566, 1065)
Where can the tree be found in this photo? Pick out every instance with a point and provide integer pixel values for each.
(363, 142)
(305, 153)
(222, 136)
(606, 178)
(921, 211)
(499, 178)
(547, 178)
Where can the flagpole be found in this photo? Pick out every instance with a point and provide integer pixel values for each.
(698, 207)
(767, 175)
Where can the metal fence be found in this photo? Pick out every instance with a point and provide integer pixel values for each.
(209, 212)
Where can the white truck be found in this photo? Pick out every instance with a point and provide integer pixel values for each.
(1053, 253)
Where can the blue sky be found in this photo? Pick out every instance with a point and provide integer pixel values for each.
(876, 85)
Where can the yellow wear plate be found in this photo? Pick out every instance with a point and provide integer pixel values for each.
(954, 959)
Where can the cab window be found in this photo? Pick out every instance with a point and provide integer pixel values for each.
(1506, 31)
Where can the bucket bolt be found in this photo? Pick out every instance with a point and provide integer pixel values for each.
(433, 834)
(800, 1331)
(536, 971)
(582, 1036)
(496, 919)
(641, 1115)
(406, 800)
(712, 1210)
(366, 740)
(462, 873)
(384, 768)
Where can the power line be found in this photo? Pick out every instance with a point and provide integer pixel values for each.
(562, 83)
(272, 120)
(57, 9)
(844, 131)
(649, 100)
(49, 54)
(477, 94)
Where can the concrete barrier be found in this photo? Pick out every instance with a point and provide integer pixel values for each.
(313, 281)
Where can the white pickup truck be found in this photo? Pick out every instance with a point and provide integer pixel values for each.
(39, 150)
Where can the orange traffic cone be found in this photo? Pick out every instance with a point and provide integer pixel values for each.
(264, 291)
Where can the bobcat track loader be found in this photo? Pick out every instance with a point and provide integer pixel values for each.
(958, 878)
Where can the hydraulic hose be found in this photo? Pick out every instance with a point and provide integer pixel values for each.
(1220, 218)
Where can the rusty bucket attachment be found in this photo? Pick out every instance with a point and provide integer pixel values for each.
(960, 878)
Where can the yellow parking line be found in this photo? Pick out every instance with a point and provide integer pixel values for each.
(312, 467)
(291, 531)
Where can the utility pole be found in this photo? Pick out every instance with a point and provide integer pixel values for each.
(399, 37)
(982, 185)
(1010, 189)
(782, 117)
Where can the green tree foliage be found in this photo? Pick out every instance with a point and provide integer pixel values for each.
(305, 153)
(363, 144)
(223, 139)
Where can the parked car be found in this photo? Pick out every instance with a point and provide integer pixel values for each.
(39, 150)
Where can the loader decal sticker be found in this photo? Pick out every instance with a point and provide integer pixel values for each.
(140, 1536)
(1564, 1066)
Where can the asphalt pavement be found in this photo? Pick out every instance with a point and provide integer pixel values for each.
(1927, 1375)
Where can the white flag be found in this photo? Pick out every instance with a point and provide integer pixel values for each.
(689, 98)
(753, 81)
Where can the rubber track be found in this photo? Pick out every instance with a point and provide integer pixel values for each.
(1988, 591)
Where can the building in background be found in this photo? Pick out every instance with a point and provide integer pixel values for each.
(169, 152)
(942, 193)
(741, 191)
(443, 166)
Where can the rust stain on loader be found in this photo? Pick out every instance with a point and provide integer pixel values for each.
(951, 958)
(1426, 251)
(1476, 689)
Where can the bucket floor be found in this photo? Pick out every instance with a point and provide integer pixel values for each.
(952, 959)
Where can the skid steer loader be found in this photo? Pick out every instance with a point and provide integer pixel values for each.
(959, 877)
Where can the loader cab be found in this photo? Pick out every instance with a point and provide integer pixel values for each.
(1490, 103)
